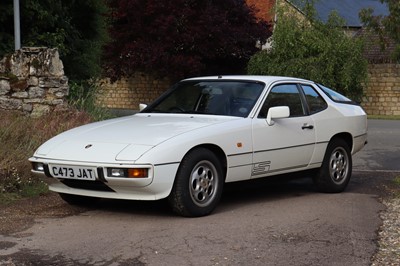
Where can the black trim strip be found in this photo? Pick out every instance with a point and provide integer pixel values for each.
(285, 148)
(100, 174)
(241, 165)
(160, 164)
(87, 185)
(239, 154)
(359, 136)
(46, 170)
(316, 163)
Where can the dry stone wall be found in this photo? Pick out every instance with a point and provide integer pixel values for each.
(382, 96)
(32, 80)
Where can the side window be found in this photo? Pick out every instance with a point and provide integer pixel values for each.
(283, 95)
(315, 102)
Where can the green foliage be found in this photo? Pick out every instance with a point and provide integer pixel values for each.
(385, 25)
(82, 96)
(314, 50)
(76, 28)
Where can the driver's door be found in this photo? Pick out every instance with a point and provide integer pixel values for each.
(287, 144)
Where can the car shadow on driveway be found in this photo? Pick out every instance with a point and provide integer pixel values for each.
(238, 194)
(235, 194)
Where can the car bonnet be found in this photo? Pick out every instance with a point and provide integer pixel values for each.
(123, 139)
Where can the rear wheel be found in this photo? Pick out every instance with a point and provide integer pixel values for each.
(335, 172)
(198, 184)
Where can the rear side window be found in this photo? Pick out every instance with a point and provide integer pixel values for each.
(314, 101)
(335, 96)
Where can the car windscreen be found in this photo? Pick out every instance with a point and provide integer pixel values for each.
(216, 97)
(335, 96)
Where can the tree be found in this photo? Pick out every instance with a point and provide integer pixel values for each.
(180, 38)
(76, 28)
(314, 50)
(385, 25)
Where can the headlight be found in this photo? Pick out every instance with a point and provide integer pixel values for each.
(128, 172)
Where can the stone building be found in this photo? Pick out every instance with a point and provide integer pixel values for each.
(382, 92)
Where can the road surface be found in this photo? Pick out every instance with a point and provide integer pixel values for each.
(265, 222)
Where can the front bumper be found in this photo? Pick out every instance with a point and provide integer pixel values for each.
(157, 185)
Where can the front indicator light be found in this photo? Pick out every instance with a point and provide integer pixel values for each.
(138, 172)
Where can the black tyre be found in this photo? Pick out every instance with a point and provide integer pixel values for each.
(335, 172)
(198, 184)
(78, 200)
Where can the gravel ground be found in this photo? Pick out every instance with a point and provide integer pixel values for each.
(21, 215)
(389, 235)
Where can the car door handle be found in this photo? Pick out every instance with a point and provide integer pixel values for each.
(305, 126)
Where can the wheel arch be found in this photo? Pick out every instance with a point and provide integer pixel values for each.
(218, 151)
(346, 136)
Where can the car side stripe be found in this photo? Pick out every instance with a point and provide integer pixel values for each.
(285, 148)
(160, 164)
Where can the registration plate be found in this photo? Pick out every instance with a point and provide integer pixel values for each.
(73, 172)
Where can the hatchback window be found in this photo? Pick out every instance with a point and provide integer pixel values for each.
(335, 96)
(284, 95)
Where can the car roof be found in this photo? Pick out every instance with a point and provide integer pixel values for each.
(265, 79)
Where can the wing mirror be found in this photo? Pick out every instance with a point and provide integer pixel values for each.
(277, 112)
(142, 106)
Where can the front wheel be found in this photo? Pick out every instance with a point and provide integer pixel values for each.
(335, 172)
(198, 184)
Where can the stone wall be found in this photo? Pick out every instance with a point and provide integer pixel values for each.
(382, 97)
(129, 93)
(32, 80)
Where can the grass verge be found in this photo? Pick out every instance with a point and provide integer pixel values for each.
(384, 117)
(20, 136)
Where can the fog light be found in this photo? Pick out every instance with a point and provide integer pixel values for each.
(117, 172)
(38, 167)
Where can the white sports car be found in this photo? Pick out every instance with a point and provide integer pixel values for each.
(204, 132)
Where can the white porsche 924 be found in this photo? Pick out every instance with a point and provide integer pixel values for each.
(204, 132)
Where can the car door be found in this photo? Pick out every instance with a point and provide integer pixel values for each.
(287, 144)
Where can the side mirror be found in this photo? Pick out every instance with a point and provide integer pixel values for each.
(142, 106)
(277, 112)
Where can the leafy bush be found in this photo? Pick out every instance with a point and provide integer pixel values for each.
(314, 50)
(181, 38)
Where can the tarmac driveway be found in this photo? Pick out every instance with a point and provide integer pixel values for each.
(267, 222)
